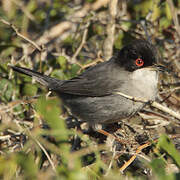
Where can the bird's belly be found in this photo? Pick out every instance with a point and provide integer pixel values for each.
(97, 110)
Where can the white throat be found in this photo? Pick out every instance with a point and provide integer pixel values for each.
(145, 83)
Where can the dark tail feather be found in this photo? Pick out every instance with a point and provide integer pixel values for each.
(51, 83)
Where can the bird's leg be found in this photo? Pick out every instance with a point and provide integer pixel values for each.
(101, 131)
(98, 128)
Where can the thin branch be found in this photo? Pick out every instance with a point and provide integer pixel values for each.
(109, 41)
(98, 4)
(139, 149)
(153, 104)
(132, 98)
(174, 13)
(90, 64)
(166, 109)
(13, 104)
(20, 35)
(5, 137)
(81, 45)
(111, 162)
(47, 155)
(43, 149)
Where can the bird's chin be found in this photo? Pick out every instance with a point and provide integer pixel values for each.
(145, 75)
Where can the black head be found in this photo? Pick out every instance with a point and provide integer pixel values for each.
(136, 55)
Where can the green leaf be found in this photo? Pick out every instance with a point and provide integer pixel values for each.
(164, 23)
(27, 163)
(20, 110)
(49, 110)
(156, 11)
(62, 61)
(74, 69)
(118, 41)
(8, 166)
(59, 74)
(165, 144)
(6, 89)
(168, 11)
(29, 89)
(158, 166)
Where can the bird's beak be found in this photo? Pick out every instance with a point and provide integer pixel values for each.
(158, 67)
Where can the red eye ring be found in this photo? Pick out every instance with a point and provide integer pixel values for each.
(139, 62)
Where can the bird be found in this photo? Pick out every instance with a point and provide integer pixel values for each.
(92, 96)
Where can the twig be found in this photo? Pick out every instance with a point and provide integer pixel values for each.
(55, 31)
(99, 3)
(132, 98)
(174, 13)
(165, 109)
(20, 35)
(152, 103)
(139, 149)
(43, 149)
(172, 90)
(109, 42)
(126, 164)
(81, 45)
(5, 137)
(47, 155)
(111, 162)
(15, 103)
(90, 64)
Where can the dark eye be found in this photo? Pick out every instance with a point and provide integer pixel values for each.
(139, 62)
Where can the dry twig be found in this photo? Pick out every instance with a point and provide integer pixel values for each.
(20, 35)
(139, 149)
(109, 42)
(81, 45)
(153, 103)
(174, 13)
(46, 153)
